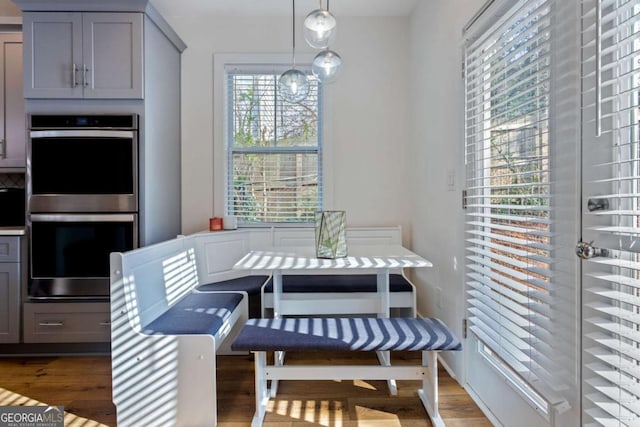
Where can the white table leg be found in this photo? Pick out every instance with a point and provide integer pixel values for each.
(277, 304)
(384, 357)
(277, 293)
(383, 292)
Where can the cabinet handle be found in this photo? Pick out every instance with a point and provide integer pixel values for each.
(3, 148)
(51, 324)
(105, 323)
(74, 80)
(85, 69)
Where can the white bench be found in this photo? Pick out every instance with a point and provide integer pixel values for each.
(165, 334)
(164, 369)
(346, 334)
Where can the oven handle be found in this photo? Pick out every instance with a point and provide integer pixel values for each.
(82, 134)
(83, 218)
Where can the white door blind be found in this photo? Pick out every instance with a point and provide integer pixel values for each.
(611, 283)
(274, 158)
(510, 244)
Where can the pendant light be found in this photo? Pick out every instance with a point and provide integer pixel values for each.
(320, 27)
(293, 85)
(327, 64)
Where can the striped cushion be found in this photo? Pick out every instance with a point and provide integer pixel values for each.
(345, 334)
(302, 283)
(196, 313)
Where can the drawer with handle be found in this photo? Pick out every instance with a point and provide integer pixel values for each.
(55, 322)
(9, 249)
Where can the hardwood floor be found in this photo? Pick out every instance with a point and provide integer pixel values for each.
(83, 386)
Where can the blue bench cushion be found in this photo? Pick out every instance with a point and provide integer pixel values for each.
(307, 283)
(196, 313)
(249, 284)
(345, 334)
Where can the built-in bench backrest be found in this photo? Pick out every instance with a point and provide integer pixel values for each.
(155, 277)
(185, 262)
(217, 252)
(356, 236)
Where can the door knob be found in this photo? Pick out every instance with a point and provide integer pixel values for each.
(597, 205)
(586, 250)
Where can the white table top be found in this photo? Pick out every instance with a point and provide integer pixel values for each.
(359, 257)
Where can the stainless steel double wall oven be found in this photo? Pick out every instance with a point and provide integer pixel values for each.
(82, 201)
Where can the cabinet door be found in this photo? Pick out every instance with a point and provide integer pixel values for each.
(12, 118)
(10, 252)
(53, 54)
(9, 302)
(112, 55)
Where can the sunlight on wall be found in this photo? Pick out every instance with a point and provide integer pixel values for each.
(146, 369)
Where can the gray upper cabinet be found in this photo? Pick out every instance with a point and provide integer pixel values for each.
(83, 55)
(12, 124)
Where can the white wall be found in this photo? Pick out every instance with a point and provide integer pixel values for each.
(435, 151)
(366, 110)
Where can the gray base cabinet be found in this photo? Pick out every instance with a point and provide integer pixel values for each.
(83, 55)
(12, 134)
(51, 322)
(9, 289)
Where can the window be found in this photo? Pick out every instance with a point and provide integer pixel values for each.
(274, 149)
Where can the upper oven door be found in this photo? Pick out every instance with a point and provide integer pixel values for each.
(82, 171)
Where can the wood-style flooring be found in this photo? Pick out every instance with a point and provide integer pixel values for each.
(82, 384)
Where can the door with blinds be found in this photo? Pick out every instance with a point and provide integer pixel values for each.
(611, 213)
(522, 115)
(564, 334)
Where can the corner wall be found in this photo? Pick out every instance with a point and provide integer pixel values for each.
(435, 159)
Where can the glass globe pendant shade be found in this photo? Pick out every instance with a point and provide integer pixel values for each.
(319, 28)
(326, 66)
(293, 85)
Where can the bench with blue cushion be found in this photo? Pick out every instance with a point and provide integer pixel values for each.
(163, 345)
(196, 313)
(252, 285)
(166, 334)
(428, 335)
(338, 293)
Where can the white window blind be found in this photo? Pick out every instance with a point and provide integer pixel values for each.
(611, 283)
(510, 237)
(274, 163)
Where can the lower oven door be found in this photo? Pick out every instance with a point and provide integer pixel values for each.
(69, 253)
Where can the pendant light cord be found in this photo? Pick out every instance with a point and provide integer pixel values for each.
(293, 31)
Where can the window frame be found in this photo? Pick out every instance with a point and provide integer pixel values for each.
(221, 123)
